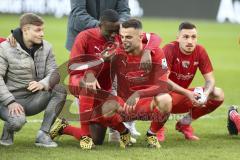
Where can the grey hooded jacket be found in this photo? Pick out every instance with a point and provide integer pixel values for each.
(18, 68)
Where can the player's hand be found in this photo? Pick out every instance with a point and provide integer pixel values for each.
(203, 99)
(35, 86)
(90, 82)
(130, 104)
(15, 109)
(193, 98)
(106, 55)
(12, 40)
(146, 61)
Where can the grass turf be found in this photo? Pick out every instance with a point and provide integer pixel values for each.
(221, 42)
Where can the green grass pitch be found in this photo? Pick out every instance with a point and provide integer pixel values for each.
(221, 42)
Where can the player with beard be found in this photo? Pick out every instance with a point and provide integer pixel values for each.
(86, 84)
(142, 95)
(184, 56)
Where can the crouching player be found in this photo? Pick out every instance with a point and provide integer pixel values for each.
(142, 95)
(88, 52)
(184, 57)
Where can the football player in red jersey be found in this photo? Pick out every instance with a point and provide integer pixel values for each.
(184, 56)
(142, 95)
(90, 44)
(2, 39)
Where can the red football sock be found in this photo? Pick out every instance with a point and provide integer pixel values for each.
(115, 122)
(155, 126)
(235, 117)
(210, 107)
(86, 113)
(73, 131)
(158, 122)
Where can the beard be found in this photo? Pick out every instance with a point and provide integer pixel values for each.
(127, 47)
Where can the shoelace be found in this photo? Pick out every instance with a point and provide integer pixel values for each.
(153, 139)
(87, 140)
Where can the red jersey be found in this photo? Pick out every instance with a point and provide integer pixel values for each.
(125, 68)
(2, 39)
(183, 67)
(92, 42)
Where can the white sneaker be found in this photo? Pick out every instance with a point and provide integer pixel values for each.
(133, 140)
(44, 140)
(132, 128)
(113, 135)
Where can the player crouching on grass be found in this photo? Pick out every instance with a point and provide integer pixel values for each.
(142, 95)
(184, 56)
(89, 69)
(29, 82)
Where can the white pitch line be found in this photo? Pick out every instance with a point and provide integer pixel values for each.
(172, 117)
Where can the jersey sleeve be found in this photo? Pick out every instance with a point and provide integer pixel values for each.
(77, 51)
(159, 76)
(168, 52)
(205, 65)
(151, 40)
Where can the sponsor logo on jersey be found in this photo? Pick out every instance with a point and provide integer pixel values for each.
(164, 63)
(185, 64)
(182, 76)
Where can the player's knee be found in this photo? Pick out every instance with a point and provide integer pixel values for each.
(109, 108)
(16, 122)
(60, 92)
(98, 133)
(164, 103)
(218, 94)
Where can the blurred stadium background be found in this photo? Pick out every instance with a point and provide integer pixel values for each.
(219, 31)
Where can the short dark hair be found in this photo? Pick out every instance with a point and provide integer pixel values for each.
(132, 23)
(186, 25)
(109, 15)
(30, 18)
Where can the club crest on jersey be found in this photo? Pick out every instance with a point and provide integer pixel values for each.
(185, 64)
(164, 63)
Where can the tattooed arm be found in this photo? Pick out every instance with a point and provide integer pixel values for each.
(209, 83)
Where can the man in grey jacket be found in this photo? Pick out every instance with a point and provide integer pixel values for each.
(85, 14)
(29, 81)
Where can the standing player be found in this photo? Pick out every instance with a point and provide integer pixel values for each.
(91, 43)
(184, 57)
